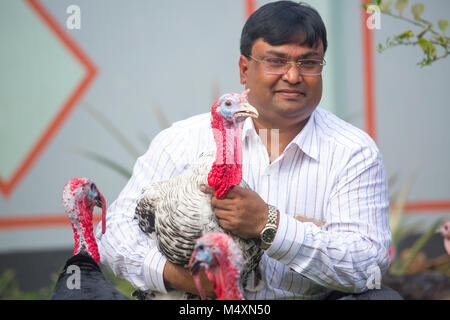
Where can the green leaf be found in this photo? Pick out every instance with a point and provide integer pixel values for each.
(369, 4)
(428, 48)
(417, 10)
(397, 208)
(401, 5)
(403, 232)
(404, 35)
(380, 48)
(443, 41)
(385, 6)
(443, 24)
(401, 266)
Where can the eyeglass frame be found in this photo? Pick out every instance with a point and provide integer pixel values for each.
(297, 63)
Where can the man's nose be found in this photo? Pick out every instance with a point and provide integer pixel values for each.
(293, 75)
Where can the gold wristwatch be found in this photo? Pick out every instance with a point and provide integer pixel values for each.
(267, 235)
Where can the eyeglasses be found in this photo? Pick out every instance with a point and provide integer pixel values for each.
(306, 67)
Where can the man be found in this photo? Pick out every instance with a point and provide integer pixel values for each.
(312, 164)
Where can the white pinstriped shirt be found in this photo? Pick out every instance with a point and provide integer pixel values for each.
(331, 171)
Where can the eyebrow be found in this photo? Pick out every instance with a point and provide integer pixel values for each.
(303, 56)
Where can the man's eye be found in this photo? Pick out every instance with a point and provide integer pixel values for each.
(310, 63)
(276, 61)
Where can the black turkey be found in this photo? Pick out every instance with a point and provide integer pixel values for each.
(81, 278)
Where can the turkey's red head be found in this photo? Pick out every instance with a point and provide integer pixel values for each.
(445, 230)
(221, 258)
(80, 196)
(227, 120)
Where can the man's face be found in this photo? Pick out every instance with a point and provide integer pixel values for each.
(291, 97)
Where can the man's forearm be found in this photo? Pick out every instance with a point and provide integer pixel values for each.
(178, 278)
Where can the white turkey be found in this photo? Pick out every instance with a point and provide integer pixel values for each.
(221, 258)
(179, 213)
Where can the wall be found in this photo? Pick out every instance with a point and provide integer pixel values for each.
(144, 64)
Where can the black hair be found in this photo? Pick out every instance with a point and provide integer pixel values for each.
(284, 22)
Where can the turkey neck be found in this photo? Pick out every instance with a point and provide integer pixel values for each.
(83, 231)
(224, 278)
(226, 171)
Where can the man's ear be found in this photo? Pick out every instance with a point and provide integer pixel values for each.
(243, 67)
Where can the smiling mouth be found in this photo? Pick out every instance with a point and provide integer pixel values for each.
(291, 94)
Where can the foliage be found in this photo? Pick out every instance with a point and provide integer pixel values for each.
(396, 210)
(115, 132)
(403, 261)
(400, 266)
(10, 290)
(120, 284)
(427, 37)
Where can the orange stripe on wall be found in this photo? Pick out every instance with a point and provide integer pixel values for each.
(428, 206)
(38, 221)
(369, 75)
(250, 7)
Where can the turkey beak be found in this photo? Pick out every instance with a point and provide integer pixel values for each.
(95, 195)
(246, 110)
(198, 260)
(99, 202)
(194, 266)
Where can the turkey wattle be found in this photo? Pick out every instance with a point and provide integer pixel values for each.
(221, 258)
(179, 213)
(80, 196)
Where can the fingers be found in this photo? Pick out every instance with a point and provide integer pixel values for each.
(234, 192)
(207, 189)
(216, 203)
(225, 220)
(231, 223)
(224, 204)
(223, 214)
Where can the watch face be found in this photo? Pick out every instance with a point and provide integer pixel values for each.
(268, 235)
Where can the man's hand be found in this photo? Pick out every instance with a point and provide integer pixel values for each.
(241, 212)
(179, 278)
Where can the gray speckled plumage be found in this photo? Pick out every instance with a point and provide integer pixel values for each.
(179, 213)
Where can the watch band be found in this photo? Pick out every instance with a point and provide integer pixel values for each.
(270, 229)
(272, 217)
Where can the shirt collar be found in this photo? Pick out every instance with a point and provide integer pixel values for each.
(249, 128)
(306, 140)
